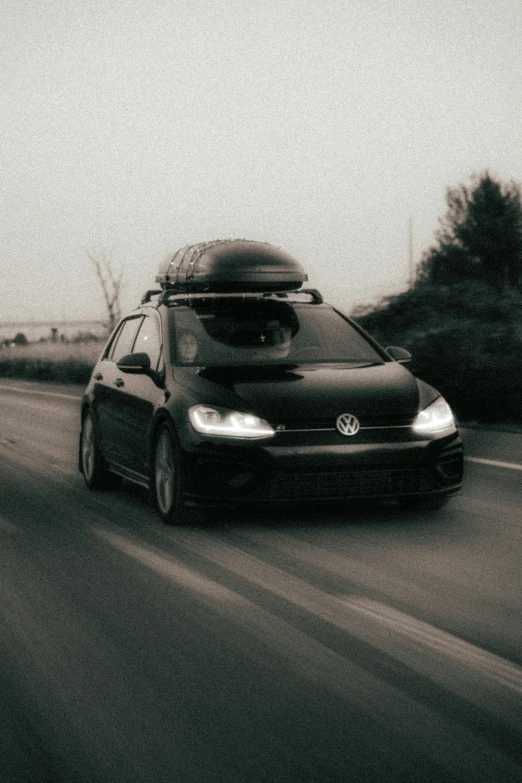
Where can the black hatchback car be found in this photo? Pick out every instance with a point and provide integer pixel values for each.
(231, 383)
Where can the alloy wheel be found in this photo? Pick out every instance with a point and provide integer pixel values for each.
(164, 472)
(88, 448)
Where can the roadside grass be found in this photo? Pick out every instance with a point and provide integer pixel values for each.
(59, 362)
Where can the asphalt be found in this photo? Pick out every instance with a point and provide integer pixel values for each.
(355, 644)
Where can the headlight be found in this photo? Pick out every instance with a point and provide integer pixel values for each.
(435, 417)
(210, 420)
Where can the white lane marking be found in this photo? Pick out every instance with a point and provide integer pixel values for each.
(168, 567)
(66, 471)
(8, 527)
(400, 714)
(494, 463)
(41, 393)
(493, 666)
(350, 618)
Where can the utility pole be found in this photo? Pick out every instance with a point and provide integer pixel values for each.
(411, 268)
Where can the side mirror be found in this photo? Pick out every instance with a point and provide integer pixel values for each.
(134, 362)
(400, 355)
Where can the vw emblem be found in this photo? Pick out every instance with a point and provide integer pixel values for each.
(347, 424)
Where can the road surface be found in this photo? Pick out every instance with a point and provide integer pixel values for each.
(365, 644)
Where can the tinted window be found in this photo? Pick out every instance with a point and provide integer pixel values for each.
(257, 332)
(148, 340)
(125, 338)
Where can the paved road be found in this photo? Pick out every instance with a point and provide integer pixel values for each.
(327, 646)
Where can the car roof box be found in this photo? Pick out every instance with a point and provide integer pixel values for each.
(231, 265)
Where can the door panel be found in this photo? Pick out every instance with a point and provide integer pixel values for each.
(136, 402)
(106, 404)
(131, 398)
(103, 405)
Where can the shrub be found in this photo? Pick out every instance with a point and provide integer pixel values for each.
(465, 341)
(56, 362)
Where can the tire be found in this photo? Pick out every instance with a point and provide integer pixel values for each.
(95, 475)
(167, 477)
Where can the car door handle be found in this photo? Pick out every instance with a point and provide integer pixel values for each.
(119, 382)
(99, 376)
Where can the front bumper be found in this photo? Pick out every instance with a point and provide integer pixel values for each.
(278, 473)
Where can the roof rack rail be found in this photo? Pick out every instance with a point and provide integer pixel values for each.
(147, 296)
(174, 296)
(317, 297)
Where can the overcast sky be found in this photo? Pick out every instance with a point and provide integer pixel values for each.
(318, 125)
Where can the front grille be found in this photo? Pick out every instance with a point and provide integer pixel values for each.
(292, 425)
(387, 421)
(333, 485)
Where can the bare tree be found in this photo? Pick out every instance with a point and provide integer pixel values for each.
(111, 281)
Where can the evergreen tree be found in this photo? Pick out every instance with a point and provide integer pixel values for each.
(480, 237)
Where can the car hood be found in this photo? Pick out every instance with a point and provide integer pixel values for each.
(312, 391)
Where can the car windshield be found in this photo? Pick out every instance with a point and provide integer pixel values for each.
(236, 333)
